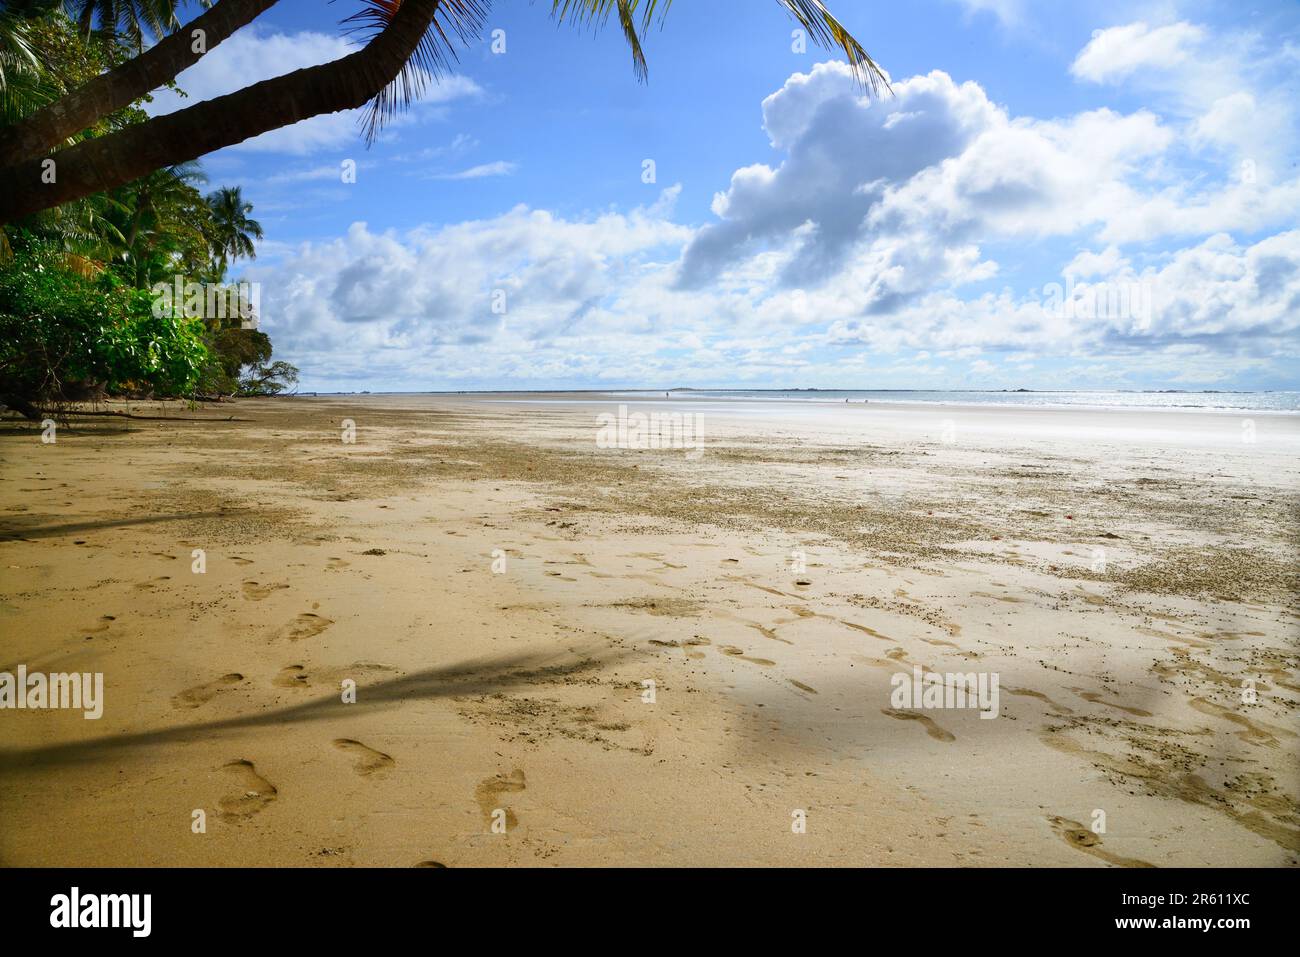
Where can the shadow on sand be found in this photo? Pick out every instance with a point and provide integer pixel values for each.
(30, 527)
(480, 676)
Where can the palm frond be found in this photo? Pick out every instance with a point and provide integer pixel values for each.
(828, 32)
(126, 19)
(17, 55)
(456, 22)
(825, 30)
(596, 13)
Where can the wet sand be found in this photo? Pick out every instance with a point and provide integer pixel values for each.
(500, 589)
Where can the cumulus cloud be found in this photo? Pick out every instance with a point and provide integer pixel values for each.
(1235, 91)
(1119, 52)
(867, 245)
(1220, 295)
(459, 295)
(843, 152)
(897, 193)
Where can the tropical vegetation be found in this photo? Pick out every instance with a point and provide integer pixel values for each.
(80, 314)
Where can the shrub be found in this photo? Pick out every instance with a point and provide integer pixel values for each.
(67, 336)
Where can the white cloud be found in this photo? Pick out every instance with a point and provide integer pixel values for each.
(897, 193)
(424, 299)
(1218, 297)
(1087, 264)
(1118, 52)
(1234, 90)
(867, 247)
(844, 151)
(497, 168)
(308, 174)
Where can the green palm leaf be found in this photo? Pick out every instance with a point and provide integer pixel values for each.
(456, 22)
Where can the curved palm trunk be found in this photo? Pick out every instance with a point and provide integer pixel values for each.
(51, 125)
(105, 162)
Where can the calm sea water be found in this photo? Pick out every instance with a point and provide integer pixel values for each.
(1283, 402)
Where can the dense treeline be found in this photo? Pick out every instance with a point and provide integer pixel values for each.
(86, 289)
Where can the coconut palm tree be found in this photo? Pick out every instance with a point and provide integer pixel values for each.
(160, 221)
(411, 40)
(126, 20)
(232, 231)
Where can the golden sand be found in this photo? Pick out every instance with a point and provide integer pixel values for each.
(500, 590)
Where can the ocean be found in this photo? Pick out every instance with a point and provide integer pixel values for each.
(1264, 402)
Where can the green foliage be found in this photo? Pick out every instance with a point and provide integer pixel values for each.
(164, 225)
(230, 349)
(263, 379)
(231, 232)
(44, 55)
(165, 352)
(68, 336)
(76, 316)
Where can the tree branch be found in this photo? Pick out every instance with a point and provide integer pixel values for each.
(108, 161)
(73, 112)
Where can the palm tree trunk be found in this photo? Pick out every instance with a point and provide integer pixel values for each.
(51, 125)
(104, 162)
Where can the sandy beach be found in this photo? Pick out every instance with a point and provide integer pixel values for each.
(651, 656)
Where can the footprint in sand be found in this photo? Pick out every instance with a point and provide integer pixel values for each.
(297, 676)
(690, 644)
(152, 583)
(489, 791)
(366, 760)
(1256, 733)
(735, 652)
(240, 560)
(744, 580)
(255, 792)
(1095, 698)
(1027, 693)
(769, 633)
(255, 591)
(864, 629)
(334, 564)
(105, 622)
(1079, 837)
(306, 625)
(803, 687)
(431, 864)
(932, 729)
(947, 644)
(291, 676)
(202, 694)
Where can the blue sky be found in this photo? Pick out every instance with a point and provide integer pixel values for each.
(1077, 195)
